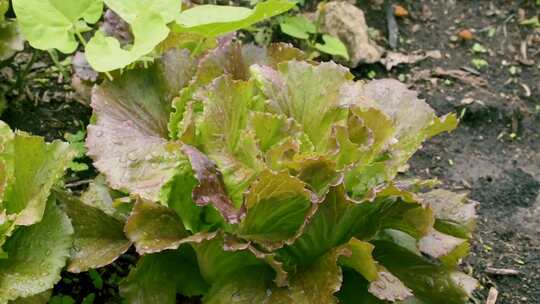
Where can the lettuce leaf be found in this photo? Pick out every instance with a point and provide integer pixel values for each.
(158, 277)
(36, 255)
(98, 237)
(279, 174)
(36, 166)
(128, 141)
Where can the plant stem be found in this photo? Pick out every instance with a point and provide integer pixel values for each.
(21, 75)
(83, 42)
(54, 57)
(199, 45)
(81, 38)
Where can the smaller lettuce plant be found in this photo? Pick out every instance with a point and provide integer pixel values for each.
(261, 177)
(41, 232)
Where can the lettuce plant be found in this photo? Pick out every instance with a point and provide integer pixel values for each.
(261, 177)
(40, 232)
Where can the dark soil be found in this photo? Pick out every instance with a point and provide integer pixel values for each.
(494, 153)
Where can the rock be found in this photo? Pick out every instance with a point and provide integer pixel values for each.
(346, 22)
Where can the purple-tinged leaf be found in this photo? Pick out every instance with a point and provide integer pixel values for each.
(153, 228)
(98, 238)
(388, 287)
(128, 141)
(211, 188)
(278, 207)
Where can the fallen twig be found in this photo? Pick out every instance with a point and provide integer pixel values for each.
(465, 77)
(393, 30)
(78, 183)
(501, 271)
(393, 59)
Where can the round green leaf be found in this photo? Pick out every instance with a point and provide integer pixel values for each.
(51, 24)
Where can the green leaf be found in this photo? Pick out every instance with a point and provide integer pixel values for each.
(325, 103)
(333, 46)
(222, 135)
(234, 59)
(89, 299)
(148, 20)
(98, 238)
(278, 206)
(409, 114)
(97, 280)
(217, 260)
(383, 284)
(429, 281)
(37, 167)
(105, 53)
(241, 287)
(158, 277)
(479, 63)
(6, 158)
(154, 228)
(99, 195)
(37, 254)
(128, 140)
(51, 24)
(40, 298)
(297, 26)
(271, 129)
(356, 287)
(447, 248)
(4, 6)
(333, 224)
(11, 40)
(315, 284)
(214, 20)
(360, 259)
(413, 122)
(478, 48)
(453, 215)
(195, 43)
(339, 218)
(7, 226)
(178, 196)
(60, 299)
(77, 142)
(319, 173)
(130, 9)
(219, 255)
(533, 22)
